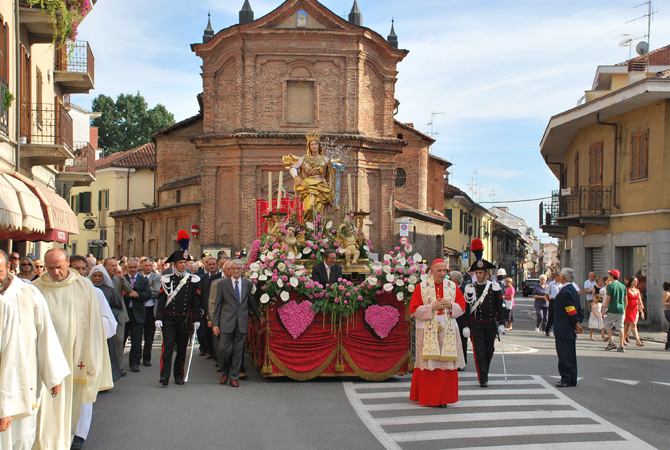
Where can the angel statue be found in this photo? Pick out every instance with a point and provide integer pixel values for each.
(314, 178)
(349, 243)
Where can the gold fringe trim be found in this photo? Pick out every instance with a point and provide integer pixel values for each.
(376, 376)
(302, 376)
(79, 380)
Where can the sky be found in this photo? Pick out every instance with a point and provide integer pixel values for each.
(493, 71)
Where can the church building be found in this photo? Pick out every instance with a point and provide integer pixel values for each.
(266, 83)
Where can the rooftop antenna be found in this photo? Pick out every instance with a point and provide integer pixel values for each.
(627, 41)
(648, 16)
(432, 120)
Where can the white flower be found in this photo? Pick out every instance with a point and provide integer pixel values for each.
(412, 279)
(408, 248)
(410, 288)
(388, 287)
(293, 281)
(268, 273)
(253, 275)
(255, 266)
(284, 295)
(366, 248)
(387, 269)
(280, 282)
(253, 289)
(372, 281)
(300, 272)
(390, 277)
(309, 225)
(329, 224)
(262, 278)
(264, 257)
(306, 250)
(290, 255)
(400, 296)
(377, 265)
(281, 267)
(387, 257)
(401, 262)
(399, 282)
(423, 277)
(417, 257)
(265, 298)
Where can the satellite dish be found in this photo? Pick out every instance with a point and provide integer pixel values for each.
(642, 48)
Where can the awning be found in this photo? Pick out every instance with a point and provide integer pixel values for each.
(60, 220)
(10, 209)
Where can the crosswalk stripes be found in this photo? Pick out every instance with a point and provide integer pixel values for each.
(523, 412)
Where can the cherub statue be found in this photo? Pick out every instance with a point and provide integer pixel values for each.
(348, 241)
(289, 241)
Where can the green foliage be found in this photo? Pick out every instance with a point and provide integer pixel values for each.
(7, 100)
(127, 123)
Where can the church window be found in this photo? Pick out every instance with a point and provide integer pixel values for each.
(400, 177)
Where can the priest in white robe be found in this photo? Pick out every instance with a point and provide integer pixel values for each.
(75, 312)
(45, 361)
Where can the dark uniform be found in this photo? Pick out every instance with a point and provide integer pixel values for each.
(567, 313)
(484, 322)
(178, 317)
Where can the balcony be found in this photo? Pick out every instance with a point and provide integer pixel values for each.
(75, 68)
(576, 207)
(46, 134)
(4, 113)
(81, 170)
(38, 23)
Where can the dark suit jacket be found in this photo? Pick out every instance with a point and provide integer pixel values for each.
(226, 311)
(143, 289)
(319, 273)
(206, 281)
(567, 312)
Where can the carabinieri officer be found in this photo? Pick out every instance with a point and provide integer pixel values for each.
(487, 313)
(177, 313)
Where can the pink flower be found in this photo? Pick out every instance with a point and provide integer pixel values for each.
(360, 297)
(274, 278)
(262, 288)
(346, 302)
(337, 300)
(379, 271)
(284, 278)
(395, 261)
(391, 252)
(275, 246)
(348, 294)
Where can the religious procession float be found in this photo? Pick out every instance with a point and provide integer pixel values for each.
(356, 326)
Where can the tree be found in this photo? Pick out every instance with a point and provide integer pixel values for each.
(127, 123)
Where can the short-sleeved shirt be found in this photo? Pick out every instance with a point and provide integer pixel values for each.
(589, 285)
(617, 293)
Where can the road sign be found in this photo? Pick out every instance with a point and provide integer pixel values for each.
(89, 224)
(404, 233)
(465, 256)
(404, 230)
(404, 240)
(404, 220)
(195, 230)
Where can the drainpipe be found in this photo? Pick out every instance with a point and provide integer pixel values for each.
(142, 220)
(17, 97)
(616, 139)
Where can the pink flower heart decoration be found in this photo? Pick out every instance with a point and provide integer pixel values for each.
(296, 317)
(381, 319)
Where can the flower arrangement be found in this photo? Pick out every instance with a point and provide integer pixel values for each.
(381, 319)
(398, 273)
(296, 317)
(343, 298)
(276, 273)
(319, 236)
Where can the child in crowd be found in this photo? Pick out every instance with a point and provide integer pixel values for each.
(596, 317)
(509, 300)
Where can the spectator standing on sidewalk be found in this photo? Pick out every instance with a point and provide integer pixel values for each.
(589, 290)
(553, 287)
(666, 304)
(615, 307)
(541, 296)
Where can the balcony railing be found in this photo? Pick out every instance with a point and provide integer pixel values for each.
(84, 159)
(577, 205)
(4, 113)
(78, 58)
(50, 124)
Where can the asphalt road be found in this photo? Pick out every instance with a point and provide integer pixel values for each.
(620, 402)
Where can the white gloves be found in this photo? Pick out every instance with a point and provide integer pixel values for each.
(159, 324)
(196, 325)
(501, 329)
(466, 332)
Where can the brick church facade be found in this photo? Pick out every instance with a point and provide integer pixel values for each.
(266, 83)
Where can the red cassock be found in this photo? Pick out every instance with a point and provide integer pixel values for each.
(438, 386)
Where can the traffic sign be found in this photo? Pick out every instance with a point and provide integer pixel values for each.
(404, 227)
(195, 231)
(465, 256)
(404, 240)
(404, 220)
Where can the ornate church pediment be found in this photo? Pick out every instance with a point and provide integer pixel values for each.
(303, 14)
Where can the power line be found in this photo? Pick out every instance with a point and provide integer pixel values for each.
(519, 201)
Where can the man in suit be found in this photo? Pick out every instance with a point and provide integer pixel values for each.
(135, 300)
(328, 271)
(154, 279)
(231, 320)
(212, 273)
(568, 315)
(121, 285)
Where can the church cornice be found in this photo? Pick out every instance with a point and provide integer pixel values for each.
(241, 136)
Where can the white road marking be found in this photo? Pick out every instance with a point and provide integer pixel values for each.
(628, 382)
(566, 417)
(662, 383)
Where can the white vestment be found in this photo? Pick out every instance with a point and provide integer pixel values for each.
(14, 390)
(75, 312)
(44, 357)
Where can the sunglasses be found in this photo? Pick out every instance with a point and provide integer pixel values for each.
(14, 257)
(39, 267)
(26, 264)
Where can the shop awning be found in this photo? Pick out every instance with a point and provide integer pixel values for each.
(10, 209)
(59, 220)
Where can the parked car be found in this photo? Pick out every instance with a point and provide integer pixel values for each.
(529, 285)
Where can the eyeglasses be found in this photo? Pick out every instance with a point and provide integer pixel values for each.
(39, 267)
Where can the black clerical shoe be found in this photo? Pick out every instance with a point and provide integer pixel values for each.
(77, 443)
(484, 384)
(443, 406)
(146, 363)
(179, 382)
(135, 369)
(164, 381)
(562, 384)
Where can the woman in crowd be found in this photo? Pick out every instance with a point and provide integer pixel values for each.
(509, 300)
(634, 309)
(541, 296)
(666, 304)
(26, 270)
(38, 264)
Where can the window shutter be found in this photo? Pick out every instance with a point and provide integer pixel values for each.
(644, 155)
(100, 200)
(633, 157)
(106, 199)
(448, 213)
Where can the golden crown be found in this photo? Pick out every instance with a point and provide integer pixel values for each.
(313, 136)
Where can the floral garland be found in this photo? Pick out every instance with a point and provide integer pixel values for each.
(65, 15)
(380, 320)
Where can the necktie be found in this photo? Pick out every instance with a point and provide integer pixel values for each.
(328, 273)
(132, 282)
(237, 291)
